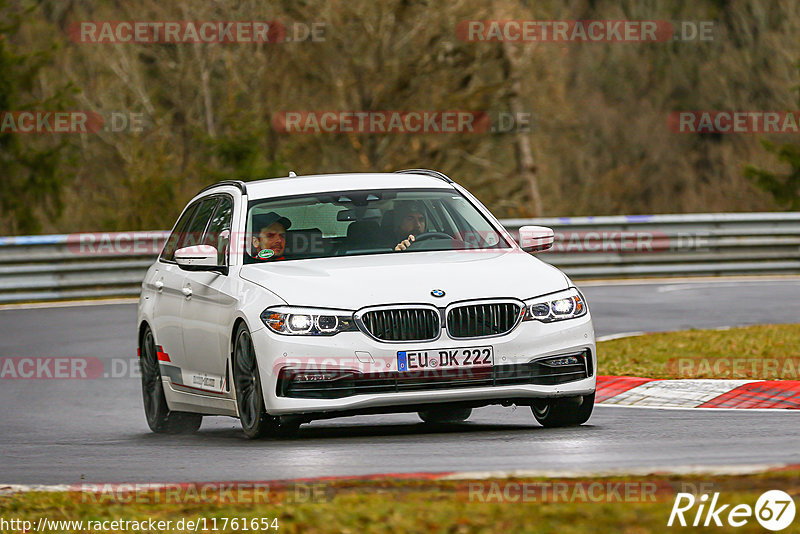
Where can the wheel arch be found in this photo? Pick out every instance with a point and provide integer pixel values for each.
(142, 325)
(236, 323)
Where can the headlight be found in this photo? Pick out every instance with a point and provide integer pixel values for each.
(307, 321)
(556, 307)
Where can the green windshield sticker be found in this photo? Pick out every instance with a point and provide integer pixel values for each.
(266, 253)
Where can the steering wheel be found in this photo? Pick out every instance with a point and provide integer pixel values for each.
(424, 236)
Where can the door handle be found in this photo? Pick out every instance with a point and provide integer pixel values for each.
(159, 285)
(187, 291)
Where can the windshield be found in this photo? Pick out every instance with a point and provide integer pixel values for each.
(347, 223)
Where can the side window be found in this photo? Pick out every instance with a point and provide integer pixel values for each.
(218, 234)
(194, 234)
(177, 234)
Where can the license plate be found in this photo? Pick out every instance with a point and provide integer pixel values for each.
(468, 357)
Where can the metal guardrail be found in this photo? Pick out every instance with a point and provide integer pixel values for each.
(59, 267)
(673, 245)
(56, 267)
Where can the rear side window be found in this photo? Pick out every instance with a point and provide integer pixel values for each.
(177, 234)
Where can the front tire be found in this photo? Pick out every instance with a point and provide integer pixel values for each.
(159, 417)
(566, 411)
(445, 415)
(256, 422)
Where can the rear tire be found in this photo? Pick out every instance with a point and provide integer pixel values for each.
(445, 415)
(159, 417)
(565, 411)
(256, 422)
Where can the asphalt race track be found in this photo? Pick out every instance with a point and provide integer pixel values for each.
(72, 431)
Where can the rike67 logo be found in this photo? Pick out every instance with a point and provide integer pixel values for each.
(774, 510)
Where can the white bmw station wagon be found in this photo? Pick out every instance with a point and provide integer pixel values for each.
(291, 299)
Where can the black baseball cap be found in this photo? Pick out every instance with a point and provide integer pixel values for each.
(262, 221)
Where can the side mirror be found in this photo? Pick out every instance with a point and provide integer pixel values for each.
(199, 258)
(536, 238)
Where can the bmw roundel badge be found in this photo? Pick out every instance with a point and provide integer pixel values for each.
(437, 293)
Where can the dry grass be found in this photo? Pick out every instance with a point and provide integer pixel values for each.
(769, 352)
(423, 506)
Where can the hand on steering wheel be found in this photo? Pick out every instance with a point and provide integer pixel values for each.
(404, 244)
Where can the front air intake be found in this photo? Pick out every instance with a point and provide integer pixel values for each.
(483, 320)
(402, 324)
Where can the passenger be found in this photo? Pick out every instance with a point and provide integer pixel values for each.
(270, 241)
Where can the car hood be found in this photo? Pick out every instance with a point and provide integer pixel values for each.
(356, 281)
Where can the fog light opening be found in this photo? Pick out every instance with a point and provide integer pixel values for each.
(314, 376)
(563, 361)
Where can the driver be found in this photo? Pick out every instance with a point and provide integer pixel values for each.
(409, 221)
(270, 241)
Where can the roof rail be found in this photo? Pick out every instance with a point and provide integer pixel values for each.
(427, 172)
(235, 183)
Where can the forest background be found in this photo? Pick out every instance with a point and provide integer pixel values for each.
(592, 134)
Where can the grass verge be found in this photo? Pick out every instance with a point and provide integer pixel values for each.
(768, 352)
(614, 504)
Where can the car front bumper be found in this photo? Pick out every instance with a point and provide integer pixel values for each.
(354, 351)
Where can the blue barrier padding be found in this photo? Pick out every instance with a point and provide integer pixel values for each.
(33, 240)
